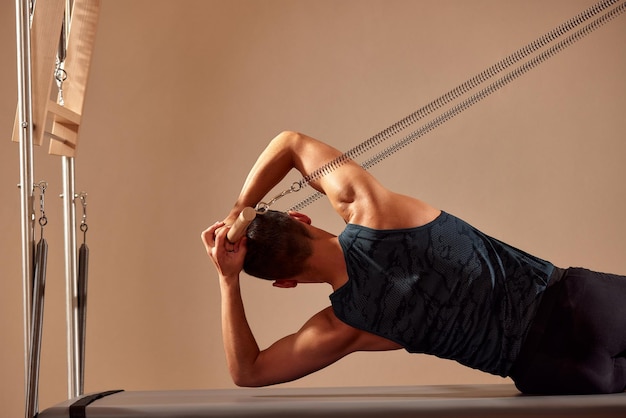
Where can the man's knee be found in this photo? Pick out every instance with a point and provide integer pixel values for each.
(573, 378)
(619, 373)
(603, 375)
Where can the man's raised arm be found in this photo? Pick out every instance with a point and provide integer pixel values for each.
(290, 150)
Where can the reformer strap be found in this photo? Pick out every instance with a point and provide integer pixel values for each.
(36, 321)
(81, 296)
(83, 268)
(78, 408)
(464, 88)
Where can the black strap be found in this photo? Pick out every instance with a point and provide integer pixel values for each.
(78, 408)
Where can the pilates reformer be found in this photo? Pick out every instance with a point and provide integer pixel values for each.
(483, 400)
(476, 401)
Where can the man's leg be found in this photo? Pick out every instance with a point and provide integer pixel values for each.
(582, 346)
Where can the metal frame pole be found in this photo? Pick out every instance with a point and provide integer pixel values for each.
(25, 118)
(75, 384)
(25, 115)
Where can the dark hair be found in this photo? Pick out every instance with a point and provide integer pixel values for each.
(277, 246)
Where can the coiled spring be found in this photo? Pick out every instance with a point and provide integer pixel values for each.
(464, 88)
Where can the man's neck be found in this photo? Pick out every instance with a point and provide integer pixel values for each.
(327, 263)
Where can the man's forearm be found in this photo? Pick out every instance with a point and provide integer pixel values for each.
(270, 168)
(240, 345)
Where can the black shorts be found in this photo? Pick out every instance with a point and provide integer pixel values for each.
(577, 342)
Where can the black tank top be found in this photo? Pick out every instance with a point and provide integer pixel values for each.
(444, 288)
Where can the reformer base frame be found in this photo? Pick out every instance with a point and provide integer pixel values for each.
(495, 400)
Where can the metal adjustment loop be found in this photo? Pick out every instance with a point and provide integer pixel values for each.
(43, 220)
(263, 207)
(83, 223)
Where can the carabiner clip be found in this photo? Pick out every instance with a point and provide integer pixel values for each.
(262, 207)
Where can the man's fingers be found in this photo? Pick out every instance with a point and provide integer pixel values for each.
(208, 235)
(221, 242)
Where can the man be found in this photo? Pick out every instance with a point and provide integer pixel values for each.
(407, 275)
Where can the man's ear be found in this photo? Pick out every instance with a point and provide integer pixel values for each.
(300, 217)
(285, 283)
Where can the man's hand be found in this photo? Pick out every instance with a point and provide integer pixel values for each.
(226, 256)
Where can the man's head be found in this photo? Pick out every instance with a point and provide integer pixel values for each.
(278, 246)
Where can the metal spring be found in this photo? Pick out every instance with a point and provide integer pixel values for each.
(462, 89)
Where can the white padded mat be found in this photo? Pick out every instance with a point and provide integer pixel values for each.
(384, 402)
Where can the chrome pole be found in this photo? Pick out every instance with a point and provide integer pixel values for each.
(74, 376)
(71, 279)
(25, 117)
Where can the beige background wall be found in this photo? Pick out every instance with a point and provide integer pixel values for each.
(183, 96)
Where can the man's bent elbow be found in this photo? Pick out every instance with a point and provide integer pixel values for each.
(290, 135)
(247, 381)
(246, 377)
(292, 140)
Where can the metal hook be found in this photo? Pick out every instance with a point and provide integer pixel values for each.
(60, 74)
(42, 186)
(262, 207)
(83, 223)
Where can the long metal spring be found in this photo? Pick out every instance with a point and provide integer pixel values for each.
(461, 90)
